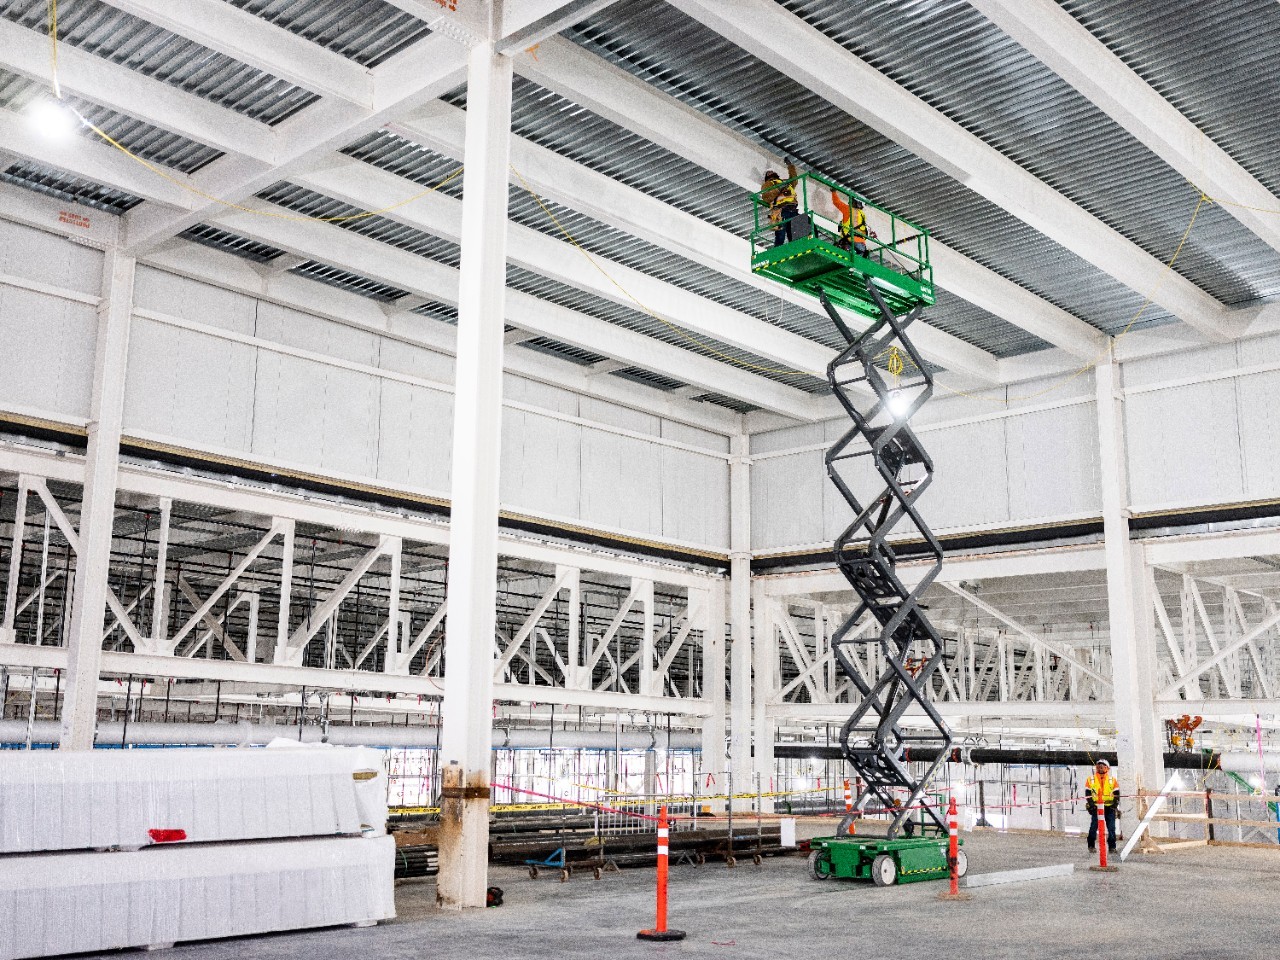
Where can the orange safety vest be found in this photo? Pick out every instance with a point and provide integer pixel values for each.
(1101, 789)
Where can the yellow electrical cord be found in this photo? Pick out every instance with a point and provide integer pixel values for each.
(183, 183)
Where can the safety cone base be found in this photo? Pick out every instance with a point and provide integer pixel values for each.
(1107, 869)
(660, 935)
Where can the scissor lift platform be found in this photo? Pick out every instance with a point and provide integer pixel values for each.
(883, 861)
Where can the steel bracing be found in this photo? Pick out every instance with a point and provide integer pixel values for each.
(881, 440)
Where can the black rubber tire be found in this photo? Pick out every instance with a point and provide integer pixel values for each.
(815, 873)
(730, 862)
(596, 873)
(757, 859)
(533, 873)
(884, 870)
(699, 860)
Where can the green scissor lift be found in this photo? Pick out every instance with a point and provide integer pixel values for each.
(815, 262)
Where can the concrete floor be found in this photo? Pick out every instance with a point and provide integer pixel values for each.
(1205, 903)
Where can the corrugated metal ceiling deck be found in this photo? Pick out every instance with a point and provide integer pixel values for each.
(957, 61)
(366, 31)
(659, 44)
(154, 52)
(1216, 62)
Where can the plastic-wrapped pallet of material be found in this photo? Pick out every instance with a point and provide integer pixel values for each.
(88, 902)
(50, 800)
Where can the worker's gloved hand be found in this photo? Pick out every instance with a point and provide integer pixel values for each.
(1091, 807)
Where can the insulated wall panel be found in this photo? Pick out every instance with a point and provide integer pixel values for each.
(41, 257)
(1053, 463)
(89, 902)
(304, 331)
(186, 299)
(621, 483)
(316, 415)
(695, 498)
(1259, 399)
(541, 466)
(415, 437)
(1184, 445)
(48, 353)
(192, 387)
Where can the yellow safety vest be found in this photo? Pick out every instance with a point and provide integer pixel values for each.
(1101, 789)
(783, 196)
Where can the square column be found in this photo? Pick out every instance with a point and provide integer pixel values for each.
(1129, 602)
(740, 611)
(98, 510)
(466, 731)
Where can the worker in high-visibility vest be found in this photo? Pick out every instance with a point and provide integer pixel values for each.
(853, 223)
(1102, 789)
(780, 196)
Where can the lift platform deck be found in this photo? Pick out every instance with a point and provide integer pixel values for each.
(813, 260)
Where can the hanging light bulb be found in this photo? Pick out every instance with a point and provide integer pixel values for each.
(899, 403)
(52, 119)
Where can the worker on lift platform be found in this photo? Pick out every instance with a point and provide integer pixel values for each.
(853, 224)
(783, 203)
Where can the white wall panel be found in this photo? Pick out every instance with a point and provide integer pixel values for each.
(414, 361)
(601, 411)
(1184, 445)
(312, 414)
(786, 500)
(415, 437)
(694, 437)
(47, 258)
(541, 464)
(520, 390)
(48, 352)
(971, 485)
(621, 483)
(1053, 463)
(186, 299)
(1259, 399)
(193, 387)
(293, 328)
(695, 498)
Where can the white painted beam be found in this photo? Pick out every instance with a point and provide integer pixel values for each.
(768, 31)
(96, 162)
(578, 75)
(419, 74)
(370, 258)
(26, 52)
(259, 43)
(369, 188)
(1067, 47)
(526, 23)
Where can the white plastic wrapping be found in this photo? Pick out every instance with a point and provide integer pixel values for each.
(82, 902)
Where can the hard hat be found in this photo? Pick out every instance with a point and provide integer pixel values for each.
(1103, 763)
(771, 175)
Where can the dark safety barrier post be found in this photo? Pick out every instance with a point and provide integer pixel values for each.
(660, 931)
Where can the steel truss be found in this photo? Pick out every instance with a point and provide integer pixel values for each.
(881, 439)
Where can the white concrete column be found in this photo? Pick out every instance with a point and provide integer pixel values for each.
(764, 727)
(466, 734)
(713, 666)
(740, 608)
(97, 513)
(1129, 600)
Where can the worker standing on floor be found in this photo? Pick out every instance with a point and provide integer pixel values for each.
(780, 196)
(1102, 789)
(853, 223)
